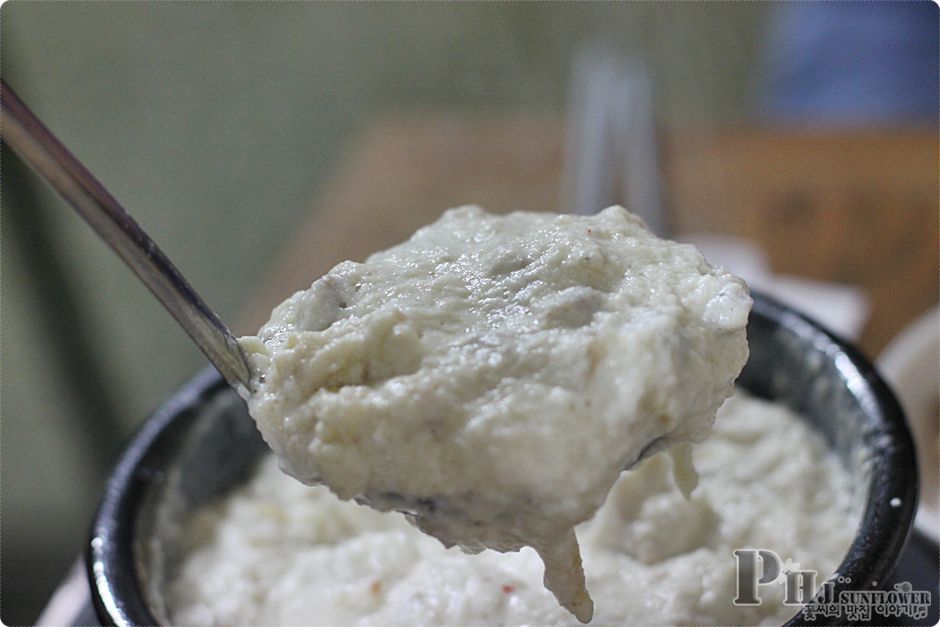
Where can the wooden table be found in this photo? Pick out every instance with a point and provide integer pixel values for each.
(858, 208)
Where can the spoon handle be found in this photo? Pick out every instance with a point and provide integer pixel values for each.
(36, 145)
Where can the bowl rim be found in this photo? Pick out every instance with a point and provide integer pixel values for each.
(119, 597)
(909, 364)
(886, 523)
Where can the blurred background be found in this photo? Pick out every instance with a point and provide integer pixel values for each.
(261, 143)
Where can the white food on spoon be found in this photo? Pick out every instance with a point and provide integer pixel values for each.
(493, 375)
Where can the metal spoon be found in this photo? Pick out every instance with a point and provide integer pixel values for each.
(29, 138)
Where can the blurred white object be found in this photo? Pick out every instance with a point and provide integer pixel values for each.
(67, 601)
(911, 365)
(841, 308)
(612, 156)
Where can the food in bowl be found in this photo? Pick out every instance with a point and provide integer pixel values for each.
(278, 552)
(494, 375)
(201, 444)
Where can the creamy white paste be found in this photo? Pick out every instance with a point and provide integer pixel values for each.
(277, 552)
(493, 375)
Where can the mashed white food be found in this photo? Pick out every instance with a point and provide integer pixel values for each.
(494, 375)
(277, 552)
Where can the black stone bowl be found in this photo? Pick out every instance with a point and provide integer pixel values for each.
(202, 442)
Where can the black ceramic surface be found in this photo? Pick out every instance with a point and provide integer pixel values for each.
(201, 443)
